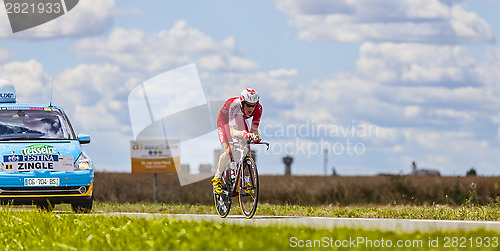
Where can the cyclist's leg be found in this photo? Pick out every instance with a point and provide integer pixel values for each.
(224, 159)
(249, 153)
(226, 156)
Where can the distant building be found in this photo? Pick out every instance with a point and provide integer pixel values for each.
(426, 172)
(423, 172)
(185, 168)
(205, 168)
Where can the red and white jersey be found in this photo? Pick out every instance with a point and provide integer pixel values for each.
(232, 114)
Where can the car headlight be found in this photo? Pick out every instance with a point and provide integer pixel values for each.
(83, 162)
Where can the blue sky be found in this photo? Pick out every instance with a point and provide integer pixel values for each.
(422, 74)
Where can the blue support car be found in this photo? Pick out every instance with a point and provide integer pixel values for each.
(42, 161)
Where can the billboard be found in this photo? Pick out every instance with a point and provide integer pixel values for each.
(155, 156)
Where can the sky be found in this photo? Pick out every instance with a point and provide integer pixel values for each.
(377, 84)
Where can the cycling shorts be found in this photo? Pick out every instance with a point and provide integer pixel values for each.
(224, 135)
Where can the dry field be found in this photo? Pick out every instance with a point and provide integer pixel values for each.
(309, 190)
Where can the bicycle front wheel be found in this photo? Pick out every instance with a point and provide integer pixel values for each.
(249, 188)
(223, 200)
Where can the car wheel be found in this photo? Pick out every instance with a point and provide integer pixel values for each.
(83, 206)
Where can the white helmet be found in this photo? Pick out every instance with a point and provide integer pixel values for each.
(249, 96)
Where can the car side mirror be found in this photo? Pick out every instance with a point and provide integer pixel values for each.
(83, 138)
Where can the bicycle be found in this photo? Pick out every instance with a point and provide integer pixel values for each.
(232, 185)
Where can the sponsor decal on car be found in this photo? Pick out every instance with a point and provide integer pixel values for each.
(38, 149)
(9, 95)
(40, 162)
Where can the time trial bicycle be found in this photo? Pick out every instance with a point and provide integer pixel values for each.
(241, 181)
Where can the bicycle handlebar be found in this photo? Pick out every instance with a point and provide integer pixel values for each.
(262, 143)
(251, 142)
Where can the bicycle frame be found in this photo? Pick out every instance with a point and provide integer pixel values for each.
(243, 149)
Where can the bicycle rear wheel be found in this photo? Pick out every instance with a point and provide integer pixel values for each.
(249, 188)
(223, 200)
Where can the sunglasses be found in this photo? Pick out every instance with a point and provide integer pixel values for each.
(250, 105)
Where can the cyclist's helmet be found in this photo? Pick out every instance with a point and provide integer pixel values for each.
(249, 96)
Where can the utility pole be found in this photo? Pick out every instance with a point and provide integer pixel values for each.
(325, 161)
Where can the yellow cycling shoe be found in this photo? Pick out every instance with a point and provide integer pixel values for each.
(217, 183)
(248, 185)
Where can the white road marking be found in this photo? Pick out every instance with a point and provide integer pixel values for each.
(396, 225)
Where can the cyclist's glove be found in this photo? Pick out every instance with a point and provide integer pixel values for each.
(246, 136)
(257, 138)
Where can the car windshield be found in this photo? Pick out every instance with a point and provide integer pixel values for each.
(33, 124)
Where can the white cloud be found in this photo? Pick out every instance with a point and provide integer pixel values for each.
(96, 95)
(88, 17)
(417, 63)
(167, 49)
(32, 83)
(411, 111)
(283, 73)
(276, 87)
(448, 90)
(316, 7)
(385, 20)
(342, 97)
(454, 114)
(5, 55)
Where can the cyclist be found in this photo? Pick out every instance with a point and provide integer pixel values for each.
(233, 121)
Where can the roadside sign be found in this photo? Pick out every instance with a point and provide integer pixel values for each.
(155, 156)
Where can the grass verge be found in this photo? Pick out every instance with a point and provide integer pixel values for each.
(22, 229)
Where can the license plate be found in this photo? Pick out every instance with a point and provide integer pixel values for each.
(41, 182)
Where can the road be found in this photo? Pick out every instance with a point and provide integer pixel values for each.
(398, 225)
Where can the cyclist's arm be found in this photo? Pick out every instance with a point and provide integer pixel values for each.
(235, 132)
(254, 129)
(256, 121)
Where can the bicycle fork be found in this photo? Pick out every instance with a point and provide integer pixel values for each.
(248, 178)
